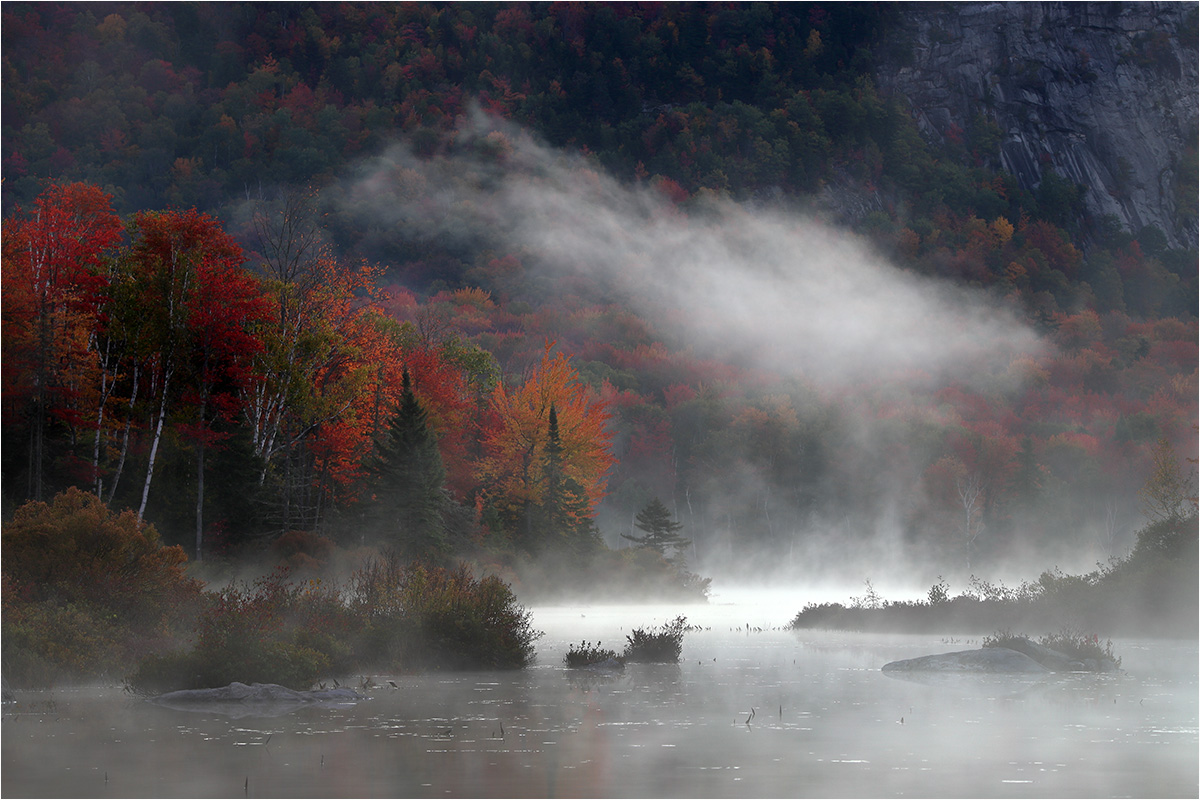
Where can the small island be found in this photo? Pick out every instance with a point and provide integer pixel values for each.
(1006, 653)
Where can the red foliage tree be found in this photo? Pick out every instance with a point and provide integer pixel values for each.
(52, 279)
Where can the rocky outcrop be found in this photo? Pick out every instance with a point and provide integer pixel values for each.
(1018, 655)
(985, 660)
(1103, 94)
(257, 699)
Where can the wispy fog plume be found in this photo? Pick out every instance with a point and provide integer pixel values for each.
(767, 285)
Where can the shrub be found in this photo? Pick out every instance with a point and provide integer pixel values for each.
(1079, 646)
(939, 592)
(587, 654)
(272, 631)
(86, 590)
(419, 616)
(303, 550)
(1070, 643)
(1002, 638)
(658, 645)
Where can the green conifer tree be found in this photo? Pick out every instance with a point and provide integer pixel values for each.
(409, 483)
(563, 519)
(661, 531)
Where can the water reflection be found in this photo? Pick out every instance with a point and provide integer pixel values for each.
(745, 713)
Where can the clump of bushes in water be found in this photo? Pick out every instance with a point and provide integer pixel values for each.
(87, 591)
(657, 645)
(1150, 593)
(270, 631)
(392, 615)
(1073, 644)
(415, 616)
(586, 654)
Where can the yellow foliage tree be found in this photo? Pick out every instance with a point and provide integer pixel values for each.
(516, 432)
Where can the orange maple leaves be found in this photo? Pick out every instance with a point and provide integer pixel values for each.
(516, 433)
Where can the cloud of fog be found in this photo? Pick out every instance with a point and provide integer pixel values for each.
(766, 286)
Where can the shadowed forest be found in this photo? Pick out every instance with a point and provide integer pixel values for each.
(501, 284)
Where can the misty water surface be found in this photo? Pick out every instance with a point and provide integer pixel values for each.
(753, 713)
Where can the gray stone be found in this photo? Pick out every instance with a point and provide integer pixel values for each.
(1047, 657)
(984, 660)
(258, 699)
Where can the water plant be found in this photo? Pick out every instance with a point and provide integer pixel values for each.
(657, 645)
(585, 654)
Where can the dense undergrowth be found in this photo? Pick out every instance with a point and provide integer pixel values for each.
(90, 593)
(1150, 593)
(391, 615)
(87, 591)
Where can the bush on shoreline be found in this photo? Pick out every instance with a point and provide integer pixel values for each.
(392, 615)
(87, 591)
(1150, 593)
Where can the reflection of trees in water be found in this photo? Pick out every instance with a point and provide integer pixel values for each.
(587, 679)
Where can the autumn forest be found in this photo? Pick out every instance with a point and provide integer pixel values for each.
(482, 283)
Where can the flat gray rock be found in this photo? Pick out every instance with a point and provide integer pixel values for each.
(259, 699)
(986, 660)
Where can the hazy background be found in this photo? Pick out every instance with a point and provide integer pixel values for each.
(760, 285)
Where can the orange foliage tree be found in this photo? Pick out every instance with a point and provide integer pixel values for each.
(523, 465)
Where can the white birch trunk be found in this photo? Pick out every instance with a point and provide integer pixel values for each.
(158, 428)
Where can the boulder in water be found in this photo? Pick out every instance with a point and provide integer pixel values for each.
(986, 660)
(259, 699)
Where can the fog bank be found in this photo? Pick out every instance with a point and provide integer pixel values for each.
(762, 285)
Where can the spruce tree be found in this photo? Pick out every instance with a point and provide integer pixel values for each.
(563, 519)
(661, 531)
(408, 482)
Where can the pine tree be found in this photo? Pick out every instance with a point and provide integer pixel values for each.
(661, 531)
(409, 478)
(563, 518)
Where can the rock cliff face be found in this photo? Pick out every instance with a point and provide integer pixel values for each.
(1103, 94)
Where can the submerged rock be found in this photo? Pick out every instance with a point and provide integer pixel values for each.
(985, 660)
(261, 699)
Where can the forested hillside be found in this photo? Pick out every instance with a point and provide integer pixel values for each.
(485, 281)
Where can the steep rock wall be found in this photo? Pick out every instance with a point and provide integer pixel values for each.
(1103, 94)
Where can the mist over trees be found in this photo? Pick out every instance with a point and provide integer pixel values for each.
(487, 281)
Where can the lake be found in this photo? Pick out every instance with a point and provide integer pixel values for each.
(751, 710)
